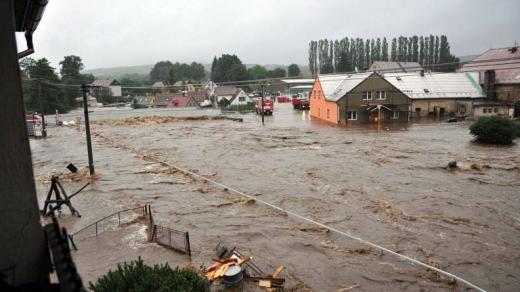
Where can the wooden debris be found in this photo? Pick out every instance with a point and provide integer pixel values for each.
(264, 283)
(349, 288)
(218, 268)
(278, 271)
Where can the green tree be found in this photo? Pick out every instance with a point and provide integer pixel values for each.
(43, 92)
(421, 50)
(161, 71)
(431, 49)
(393, 53)
(436, 50)
(70, 68)
(276, 73)
(377, 53)
(198, 72)
(415, 49)
(257, 72)
(384, 50)
(228, 68)
(313, 57)
(293, 70)
(367, 55)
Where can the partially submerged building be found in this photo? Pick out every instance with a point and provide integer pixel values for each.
(392, 97)
(499, 75)
(438, 94)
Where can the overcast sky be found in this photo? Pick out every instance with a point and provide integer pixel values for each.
(135, 32)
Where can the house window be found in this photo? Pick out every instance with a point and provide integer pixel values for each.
(319, 93)
(495, 109)
(241, 98)
(367, 95)
(484, 110)
(351, 116)
(381, 94)
(328, 113)
(395, 115)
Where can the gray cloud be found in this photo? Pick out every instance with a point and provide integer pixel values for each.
(133, 32)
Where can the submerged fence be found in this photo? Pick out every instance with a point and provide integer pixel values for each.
(171, 238)
(107, 223)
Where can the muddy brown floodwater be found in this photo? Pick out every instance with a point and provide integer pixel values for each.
(390, 187)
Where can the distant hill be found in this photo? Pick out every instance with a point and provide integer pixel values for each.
(117, 72)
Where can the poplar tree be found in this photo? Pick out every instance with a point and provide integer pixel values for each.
(361, 54)
(367, 54)
(436, 50)
(415, 49)
(431, 49)
(354, 53)
(421, 50)
(378, 50)
(393, 55)
(384, 50)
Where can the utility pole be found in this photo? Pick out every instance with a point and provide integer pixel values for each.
(87, 129)
(263, 93)
(44, 130)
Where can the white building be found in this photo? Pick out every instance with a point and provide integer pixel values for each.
(112, 84)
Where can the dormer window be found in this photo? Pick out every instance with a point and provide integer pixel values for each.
(398, 78)
(426, 90)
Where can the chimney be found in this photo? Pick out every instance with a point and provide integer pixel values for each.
(489, 84)
(422, 73)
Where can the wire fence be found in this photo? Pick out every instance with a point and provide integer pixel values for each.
(107, 223)
(173, 239)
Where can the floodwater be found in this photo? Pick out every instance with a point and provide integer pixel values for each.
(388, 186)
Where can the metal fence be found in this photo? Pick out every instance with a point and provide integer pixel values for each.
(107, 223)
(173, 239)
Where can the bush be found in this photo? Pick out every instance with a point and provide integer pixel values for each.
(241, 107)
(493, 130)
(516, 126)
(136, 277)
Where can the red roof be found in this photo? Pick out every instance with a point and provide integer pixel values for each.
(180, 101)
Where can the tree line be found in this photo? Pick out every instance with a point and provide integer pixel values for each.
(349, 54)
(45, 90)
(228, 68)
(169, 73)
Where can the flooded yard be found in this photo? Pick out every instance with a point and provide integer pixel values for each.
(389, 186)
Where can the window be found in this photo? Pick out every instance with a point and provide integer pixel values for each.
(328, 113)
(381, 94)
(241, 98)
(319, 93)
(495, 109)
(351, 116)
(367, 95)
(484, 110)
(314, 94)
(395, 115)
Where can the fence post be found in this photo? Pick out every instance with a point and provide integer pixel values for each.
(187, 243)
(170, 236)
(118, 218)
(96, 228)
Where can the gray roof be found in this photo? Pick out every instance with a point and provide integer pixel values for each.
(505, 62)
(198, 96)
(436, 85)
(226, 90)
(336, 86)
(105, 82)
(395, 67)
(158, 84)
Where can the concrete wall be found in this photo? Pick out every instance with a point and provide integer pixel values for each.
(509, 93)
(434, 107)
(488, 111)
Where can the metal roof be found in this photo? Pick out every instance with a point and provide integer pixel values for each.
(395, 67)
(436, 85)
(298, 81)
(505, 62)
(104, 82)
(336, 86)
